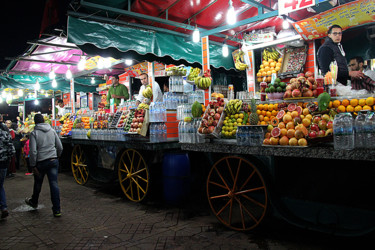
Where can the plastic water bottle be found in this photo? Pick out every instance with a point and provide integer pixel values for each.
(370, 130)
(152, 133)
(359, 128)
(239, 136)
(180, 131)
(343, 132)
(165, 132)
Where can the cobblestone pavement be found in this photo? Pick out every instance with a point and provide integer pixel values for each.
(97, 216)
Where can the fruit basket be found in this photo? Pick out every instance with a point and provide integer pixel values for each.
(212, 122)
(275, 96)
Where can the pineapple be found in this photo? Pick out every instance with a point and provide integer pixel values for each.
(253, 116)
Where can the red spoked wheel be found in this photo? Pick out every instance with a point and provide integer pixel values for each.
(237, 193)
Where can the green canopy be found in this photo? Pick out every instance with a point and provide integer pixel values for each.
(120, 42)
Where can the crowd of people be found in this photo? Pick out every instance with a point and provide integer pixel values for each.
(39, 150)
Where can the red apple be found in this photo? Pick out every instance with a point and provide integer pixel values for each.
(205, 116)
(316, 119)
(134, 120)
(214, 123)
(211, 129)
(220, 110)
(312, 134)
(314, 127)
(321, 133)
(330, 125)
(322, 125)
(217, 116)
(141, 119)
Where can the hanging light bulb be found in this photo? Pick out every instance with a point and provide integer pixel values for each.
(285, 23)
(82, 63)
(36, 102)
(100, 63)
(107, 62)
(196, 35)
(20, 92)
(225, 50)
(128, 62)
(68, 73)
(9, 98)
(52, 74)
(37, 85)
(231, 14)
(54, 83)
(92, 80)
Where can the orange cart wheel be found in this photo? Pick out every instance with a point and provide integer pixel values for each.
(79, 165)
(237, 193)
(133, 175)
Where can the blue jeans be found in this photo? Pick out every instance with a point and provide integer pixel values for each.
(3, 200)
(51, 168)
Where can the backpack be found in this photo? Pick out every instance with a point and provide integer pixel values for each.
(7, 149)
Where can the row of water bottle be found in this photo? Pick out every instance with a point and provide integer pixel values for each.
(158, 112)
(158, 132)
(249, 136)
(183, 111)
(364, 127)
(197, 95)
(79, 133)
(108, 134)
(176, 84)
(343, 131)
(187, 132)
(172, 100)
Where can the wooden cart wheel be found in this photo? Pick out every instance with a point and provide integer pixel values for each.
(237, 193)
(79, 165)
(133, 175)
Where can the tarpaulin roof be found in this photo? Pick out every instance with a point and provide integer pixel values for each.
(118, 41)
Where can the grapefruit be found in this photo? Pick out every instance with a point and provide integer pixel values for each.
(280, 114)
(275, 132)
(290, 125)
(283, 132)
(268, 135)
(284, 141)
(290, 133)
(292, 107)
(302, 142)
(266, 141)
(295, 114)
(281, 125)
(287, 118)
(299, 110)
(299, 134)
(274, 140)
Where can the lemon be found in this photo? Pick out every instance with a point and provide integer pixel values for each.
(241, 116)
(239, 121)
(236, 116)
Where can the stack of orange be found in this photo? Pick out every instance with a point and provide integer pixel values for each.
(267, 68)
(266, 112)
(354, 105)
(67, 127)
(86, 122)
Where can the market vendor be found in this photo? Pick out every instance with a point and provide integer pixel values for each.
(357, 64)
(156, 91)
(117, 91)
(60, 108)
(332, 50)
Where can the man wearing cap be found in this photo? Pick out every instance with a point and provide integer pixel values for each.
(45, 148)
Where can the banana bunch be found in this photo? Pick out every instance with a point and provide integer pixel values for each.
(66, 116)
(203, 82)
(233, 107)
(238, 63)
(194, 72)
(270, 53)
(147, 92)
(176, 71)
(143, 106)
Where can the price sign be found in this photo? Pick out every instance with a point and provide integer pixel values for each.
(287, 6)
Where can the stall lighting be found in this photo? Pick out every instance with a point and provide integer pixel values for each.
(82, 63)
(36, 102)
(285, 23)
(37, 85)
(52, 74)
(20, 92)
(128, 62)
(225, 50)
(4, 94)
(196, 35)
(9, 98)
(68, 73)
(54, 83)
(107, 63)
(100, 63)
(92, 80)
(231, 14)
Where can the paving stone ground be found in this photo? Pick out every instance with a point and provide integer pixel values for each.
(98, 216)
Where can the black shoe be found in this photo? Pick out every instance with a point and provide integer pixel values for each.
(4, 214)
(30, 203)
(57, 213)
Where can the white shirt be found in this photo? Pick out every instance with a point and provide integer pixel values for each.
(61, 111)
(156, 93)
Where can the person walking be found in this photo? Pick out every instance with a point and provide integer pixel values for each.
(26, 154)
(45, 148)
(12, 164)
(6, 152)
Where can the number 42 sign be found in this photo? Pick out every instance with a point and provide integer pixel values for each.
(287, 6)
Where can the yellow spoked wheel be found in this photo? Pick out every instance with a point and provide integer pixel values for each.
(79, 165)
(133, 175)
(237, 193)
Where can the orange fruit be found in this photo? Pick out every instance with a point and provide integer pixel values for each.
(270, 60)
(275, 106)
(261, 66)
(281, 125)
(270, 107)
(349, 108)
(294, 114)
(293, 141)
(265, 63)
(260, 106)
(266, 119)
(341, 108)
(345, 102)
(309, 117)
(362, 102)
(305, 104)
(261, 117)
(302, 142)
(358, 108)
(330, 104)
(259, 112)
(265, 106)
(268, 113)
(305, 111)
(306, 122)
(290, 133)
(274, 112)
(283, 131)
(336, 103)
(280, 60)
(284, 141)
(263, 112)
(290, 125)
(370, 101)
(354, 102)
(366, 107)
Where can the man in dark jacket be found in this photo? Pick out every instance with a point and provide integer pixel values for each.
(332, 50)
(6, 152)
(45, 148)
